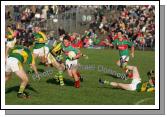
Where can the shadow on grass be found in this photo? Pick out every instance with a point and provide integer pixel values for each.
(110, 88)
(16, 89)
(67, 82)
(114, 76)
(122, 76)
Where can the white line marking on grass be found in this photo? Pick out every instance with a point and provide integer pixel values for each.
(143, 100)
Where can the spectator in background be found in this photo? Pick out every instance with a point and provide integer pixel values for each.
(61, 31)
(16, 12)
(8, 15)
(50, 12)
(44, 13)
(141, 40)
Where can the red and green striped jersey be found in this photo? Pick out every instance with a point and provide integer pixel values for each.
(122, 46)
(23, 54)
(68, 49)
(145, 87)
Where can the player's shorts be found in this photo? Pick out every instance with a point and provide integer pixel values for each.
(13, 65)
(11, 43)
(71, 64)
(134, 84)
(124, 60)
(43, 51)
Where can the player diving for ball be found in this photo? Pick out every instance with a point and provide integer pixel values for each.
(71, 63)
(122, 46)
(18, 56)
(136, 84)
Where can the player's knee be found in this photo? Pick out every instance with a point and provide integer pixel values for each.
(25, 79)
(7, 74)
(75, 75)
(70, 74)
(123, 66)
(61, 68)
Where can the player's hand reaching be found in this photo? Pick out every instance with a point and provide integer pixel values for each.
(33, 66)
(38, 76)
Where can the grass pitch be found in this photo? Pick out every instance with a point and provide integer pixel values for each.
(48, 92)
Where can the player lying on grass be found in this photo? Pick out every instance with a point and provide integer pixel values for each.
(10, 40)
(122, 45)
(18, 56)
(40, 48)
(71, 63)
(136, 84)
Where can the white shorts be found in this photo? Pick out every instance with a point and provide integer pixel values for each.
(41, 51)
(71, 64)
(124, 58)
(12, 65)
(11, 44)
(134, 83)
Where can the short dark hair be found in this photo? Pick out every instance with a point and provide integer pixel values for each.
(66, 37)
(120, 31)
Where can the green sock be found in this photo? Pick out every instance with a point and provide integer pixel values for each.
(61, 78)
(56, 77)
(21, 90)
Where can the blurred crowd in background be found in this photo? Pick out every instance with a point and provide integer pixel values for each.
(88, 26)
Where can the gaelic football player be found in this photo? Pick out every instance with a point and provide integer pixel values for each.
(18, 56)
(72, 63)
(56, 59)
(136, 84)
(122, 46)
(40, 49)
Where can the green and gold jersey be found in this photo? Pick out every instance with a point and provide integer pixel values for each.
(145, 87)
(57, 50)
(123, 46)
(23, 54)
(40, 40)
